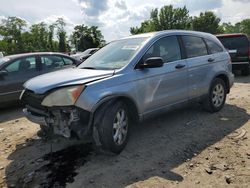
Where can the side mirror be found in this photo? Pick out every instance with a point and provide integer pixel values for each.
(152, 62)
(3, 73)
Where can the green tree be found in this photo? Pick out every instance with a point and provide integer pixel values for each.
(97, 36)
(240, 27)
(85, 37)
(51, 43)
(11, 30)
(174, 18)
(229, 28)
(61, 34)
(28, 42)
(167, 18)
(207, 22)
(39, 34)
(245, 26)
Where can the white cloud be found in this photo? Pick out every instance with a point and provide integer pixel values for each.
(52, 19)
(235, 10)
(121, 5)
(243, 1)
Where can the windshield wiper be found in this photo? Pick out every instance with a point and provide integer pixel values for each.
(88, 68)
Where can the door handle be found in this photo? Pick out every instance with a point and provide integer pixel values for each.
(180, 66)
(210, 60)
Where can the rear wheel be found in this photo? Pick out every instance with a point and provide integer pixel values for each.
(216, 97)
(113, 131)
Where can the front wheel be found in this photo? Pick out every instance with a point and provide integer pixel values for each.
(45, 133)
(216, 98)
(114, 129)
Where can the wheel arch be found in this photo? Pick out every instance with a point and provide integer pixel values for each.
(104, 103)
(225, 78)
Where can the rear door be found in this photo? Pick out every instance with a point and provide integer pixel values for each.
(51, 63)
(18, 71)
(200, 63)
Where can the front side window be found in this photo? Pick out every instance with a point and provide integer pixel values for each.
(23, 65)
(194, 46)
(213, 47)
(167, 48)
(115, 55)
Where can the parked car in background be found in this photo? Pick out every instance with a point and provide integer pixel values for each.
(82, 56)
(16, 69)
(238, 46)
(128, 80)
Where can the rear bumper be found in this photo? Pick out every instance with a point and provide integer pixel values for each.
(240, 65)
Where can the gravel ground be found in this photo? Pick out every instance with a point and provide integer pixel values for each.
(183, 148)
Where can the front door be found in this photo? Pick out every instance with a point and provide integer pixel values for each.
(18, 72)
(167, 85)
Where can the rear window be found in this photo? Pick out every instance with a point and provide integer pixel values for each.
(234, 42)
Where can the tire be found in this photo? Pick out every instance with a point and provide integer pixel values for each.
(113, 130)
(45, 133)
(216, 97)
(246, 71)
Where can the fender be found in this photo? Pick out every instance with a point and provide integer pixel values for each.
(113, 98)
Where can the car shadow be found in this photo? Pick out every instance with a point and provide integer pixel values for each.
(156, 146)
(241, 79)
(12, 112)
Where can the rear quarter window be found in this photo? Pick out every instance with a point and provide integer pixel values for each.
(213, 47)
(68, 61)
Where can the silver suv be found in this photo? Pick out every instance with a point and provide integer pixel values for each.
(129, 80)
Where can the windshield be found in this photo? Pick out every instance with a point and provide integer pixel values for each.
(115, 55)
(3, 60)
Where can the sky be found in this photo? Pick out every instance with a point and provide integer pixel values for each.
(115, 17)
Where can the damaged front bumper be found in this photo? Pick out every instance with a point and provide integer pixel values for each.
(64, 121)
(35, 119)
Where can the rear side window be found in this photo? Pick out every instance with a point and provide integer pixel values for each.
(52, 62)
(213, 47)
(68, 61)
(194, 46)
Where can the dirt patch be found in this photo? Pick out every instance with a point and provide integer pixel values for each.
(183, 148)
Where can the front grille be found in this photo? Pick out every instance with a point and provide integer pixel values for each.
(33, 100)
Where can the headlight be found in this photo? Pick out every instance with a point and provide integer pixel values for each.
(63, 97)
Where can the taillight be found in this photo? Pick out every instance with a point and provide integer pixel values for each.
(249, 53)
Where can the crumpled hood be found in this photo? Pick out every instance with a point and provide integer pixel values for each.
(71, 76)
